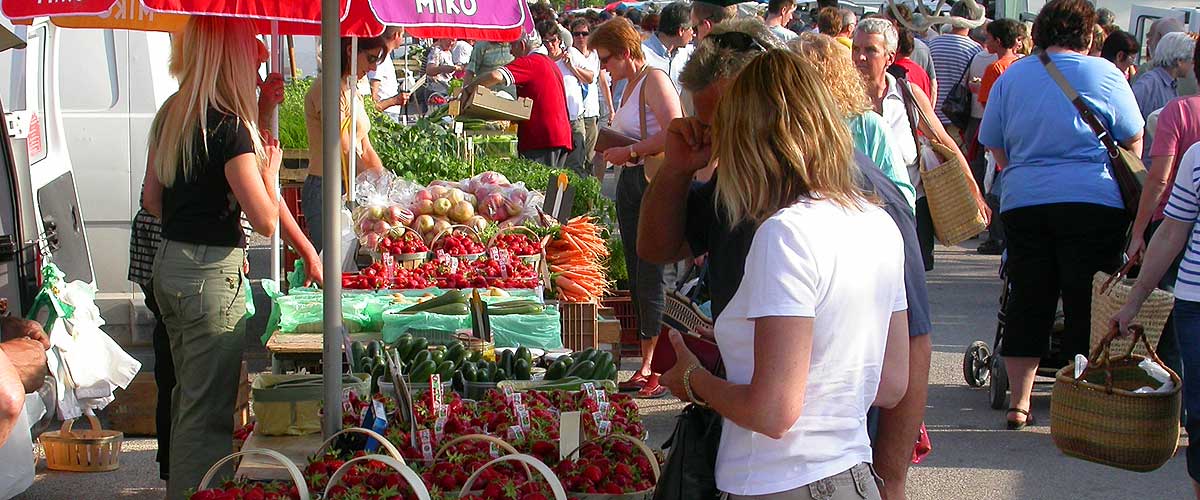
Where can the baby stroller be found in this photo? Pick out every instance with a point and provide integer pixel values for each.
(982, 365)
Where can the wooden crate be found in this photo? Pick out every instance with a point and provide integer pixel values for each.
(579, 325)
(133, 410)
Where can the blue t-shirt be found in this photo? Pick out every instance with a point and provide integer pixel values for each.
(1053, 156)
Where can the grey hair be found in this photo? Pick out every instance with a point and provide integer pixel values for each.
(848, 17)
(882, 27)
(710, 62)
(1173, 49)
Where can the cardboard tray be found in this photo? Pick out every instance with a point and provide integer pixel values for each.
(483, 103)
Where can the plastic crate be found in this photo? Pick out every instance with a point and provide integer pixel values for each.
(622, 305)
(579, 325)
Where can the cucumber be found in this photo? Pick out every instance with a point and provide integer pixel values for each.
(523, 353)
(474, 356)
(357, 352)
(419, 345)
(404, 346)
(439, 355)
(556, 371)
(583, 370)
(446, 370)
(450, 297)
(456, 353)
(483, 374)
(375, 349)
(602, 360)
(506, 361)
(421, 357)
(377, 372)
(521, 370)
(468, 372)
(501, 375)
(455, 309)
(567, 361)
(422, 371)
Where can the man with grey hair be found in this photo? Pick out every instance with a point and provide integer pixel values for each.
(849, 21)
(671, 231)
(669, 47)
(1159, 29)
(1172, 61)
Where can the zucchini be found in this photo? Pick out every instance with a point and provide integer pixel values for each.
(450, 297)
(404, 346)
(506, 361)
(439, 354)
(446, 371)
(456, 309)
(521, 370)
(484, 374)
(501, 375)
(468, 372)
(602, 360)
(421, 357)
(523, 353)
(567, 361)
(422, 371)
(583, 370)
(556, 371)
(357, 353)
(419, 345)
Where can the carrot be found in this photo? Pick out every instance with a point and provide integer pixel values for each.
(569, 286)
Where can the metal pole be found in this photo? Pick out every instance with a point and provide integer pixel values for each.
(331, 192)
(355, 102)
(276, 66)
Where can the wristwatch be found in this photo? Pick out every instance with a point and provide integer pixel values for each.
(633, 154)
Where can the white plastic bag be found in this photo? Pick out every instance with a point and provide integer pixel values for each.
(17, 460)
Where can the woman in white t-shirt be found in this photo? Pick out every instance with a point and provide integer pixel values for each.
(816, 333)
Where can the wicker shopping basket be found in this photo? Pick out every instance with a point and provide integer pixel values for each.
(1099, 418)
(956, 216)
(1109, 294)
(95, 450)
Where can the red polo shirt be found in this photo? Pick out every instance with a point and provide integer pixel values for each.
(538, 78)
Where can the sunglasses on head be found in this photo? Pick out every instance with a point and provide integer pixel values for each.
(735, 40)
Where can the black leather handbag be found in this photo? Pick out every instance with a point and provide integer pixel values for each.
(690, 471)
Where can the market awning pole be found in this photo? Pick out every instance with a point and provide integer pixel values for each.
(276, 66)
(355, 101)
(331, 192)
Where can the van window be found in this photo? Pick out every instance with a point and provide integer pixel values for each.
(35, 51)
(95, 51)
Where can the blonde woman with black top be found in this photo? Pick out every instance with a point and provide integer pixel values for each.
(208, 163)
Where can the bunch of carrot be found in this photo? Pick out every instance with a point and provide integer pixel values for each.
(576, 258)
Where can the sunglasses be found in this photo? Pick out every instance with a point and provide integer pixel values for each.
(580, 33)
(604, 60)
(378, 59)
(738, 41)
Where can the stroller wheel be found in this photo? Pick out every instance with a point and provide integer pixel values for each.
(975, 364)
(998, 389)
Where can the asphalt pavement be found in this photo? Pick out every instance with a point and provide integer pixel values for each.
(973, 456)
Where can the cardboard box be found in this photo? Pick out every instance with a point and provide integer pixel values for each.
(133, 410)
(483, 103)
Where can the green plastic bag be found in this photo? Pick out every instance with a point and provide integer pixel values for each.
(47, 298)
(396, 324)
(542, 331)
(271, 288)
(305, 313)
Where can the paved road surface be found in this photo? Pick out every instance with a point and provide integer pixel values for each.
(973, 457)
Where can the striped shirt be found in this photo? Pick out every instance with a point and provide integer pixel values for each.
(1184, 206)
(144, 239)
(951, 56)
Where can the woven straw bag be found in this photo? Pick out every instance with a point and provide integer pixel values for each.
(1109, 294)
(1106, 422)
(956, 216)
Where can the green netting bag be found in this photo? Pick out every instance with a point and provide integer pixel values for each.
(530, 330)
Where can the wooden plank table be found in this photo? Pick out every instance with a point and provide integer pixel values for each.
(305, 348)
(295, 448)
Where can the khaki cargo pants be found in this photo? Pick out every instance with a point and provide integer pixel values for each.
(198, 288)
(857, 483)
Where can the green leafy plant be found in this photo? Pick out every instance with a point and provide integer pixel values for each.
(293, 134)
(615, 266)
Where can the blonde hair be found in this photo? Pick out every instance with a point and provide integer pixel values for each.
(832, 60)
(779, 137)
(215, 62)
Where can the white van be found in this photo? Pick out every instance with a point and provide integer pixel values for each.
(83, 101)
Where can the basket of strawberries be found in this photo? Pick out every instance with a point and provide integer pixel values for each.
(611, 467)
(406, 247)
(460, 242)
(522, 242)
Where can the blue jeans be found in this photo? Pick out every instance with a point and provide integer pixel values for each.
(310, 204)
(1187, 328)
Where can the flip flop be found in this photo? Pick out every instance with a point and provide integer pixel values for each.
(1014, 425)
(635, 383)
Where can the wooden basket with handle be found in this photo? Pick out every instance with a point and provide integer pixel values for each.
(536, 261)
(383, 442)
(95, 450)
(556, 486)
(469, 231)
(414, 480)
(292, 470)
(1109, 294)
(1108, 422)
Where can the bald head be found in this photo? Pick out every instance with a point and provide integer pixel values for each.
(1159, 28)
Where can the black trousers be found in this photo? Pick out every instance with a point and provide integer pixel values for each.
(1054, 250)
(925, 234)
(164, 378)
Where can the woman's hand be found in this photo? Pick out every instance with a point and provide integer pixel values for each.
(618, 155)
(1137, 247)
(270, 91)
(270, 170)
(314, 271)
(1124, 317)
(684, 359)
(983, 208)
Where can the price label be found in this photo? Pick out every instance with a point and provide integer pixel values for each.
(590, 388)
(515, 434)
(426, 444)
(604, 427)
(508, 392)
(601, 395)
(503, 259)
(598, 417)
(517, 399)
(441, 412)
(389, 267)
(435, 388)
(523, 417)
(603, 407)
(493, 450)
(439, 427)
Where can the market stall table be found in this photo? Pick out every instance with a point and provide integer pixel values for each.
(304, 348)
(295, 448)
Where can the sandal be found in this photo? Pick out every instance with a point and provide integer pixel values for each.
(1014, 425)
(635, 383)
(652, 389)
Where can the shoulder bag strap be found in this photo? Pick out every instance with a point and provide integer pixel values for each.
(1084, 110)
(911, 110)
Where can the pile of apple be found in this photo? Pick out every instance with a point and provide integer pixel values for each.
(373, 224)
(438, 207)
